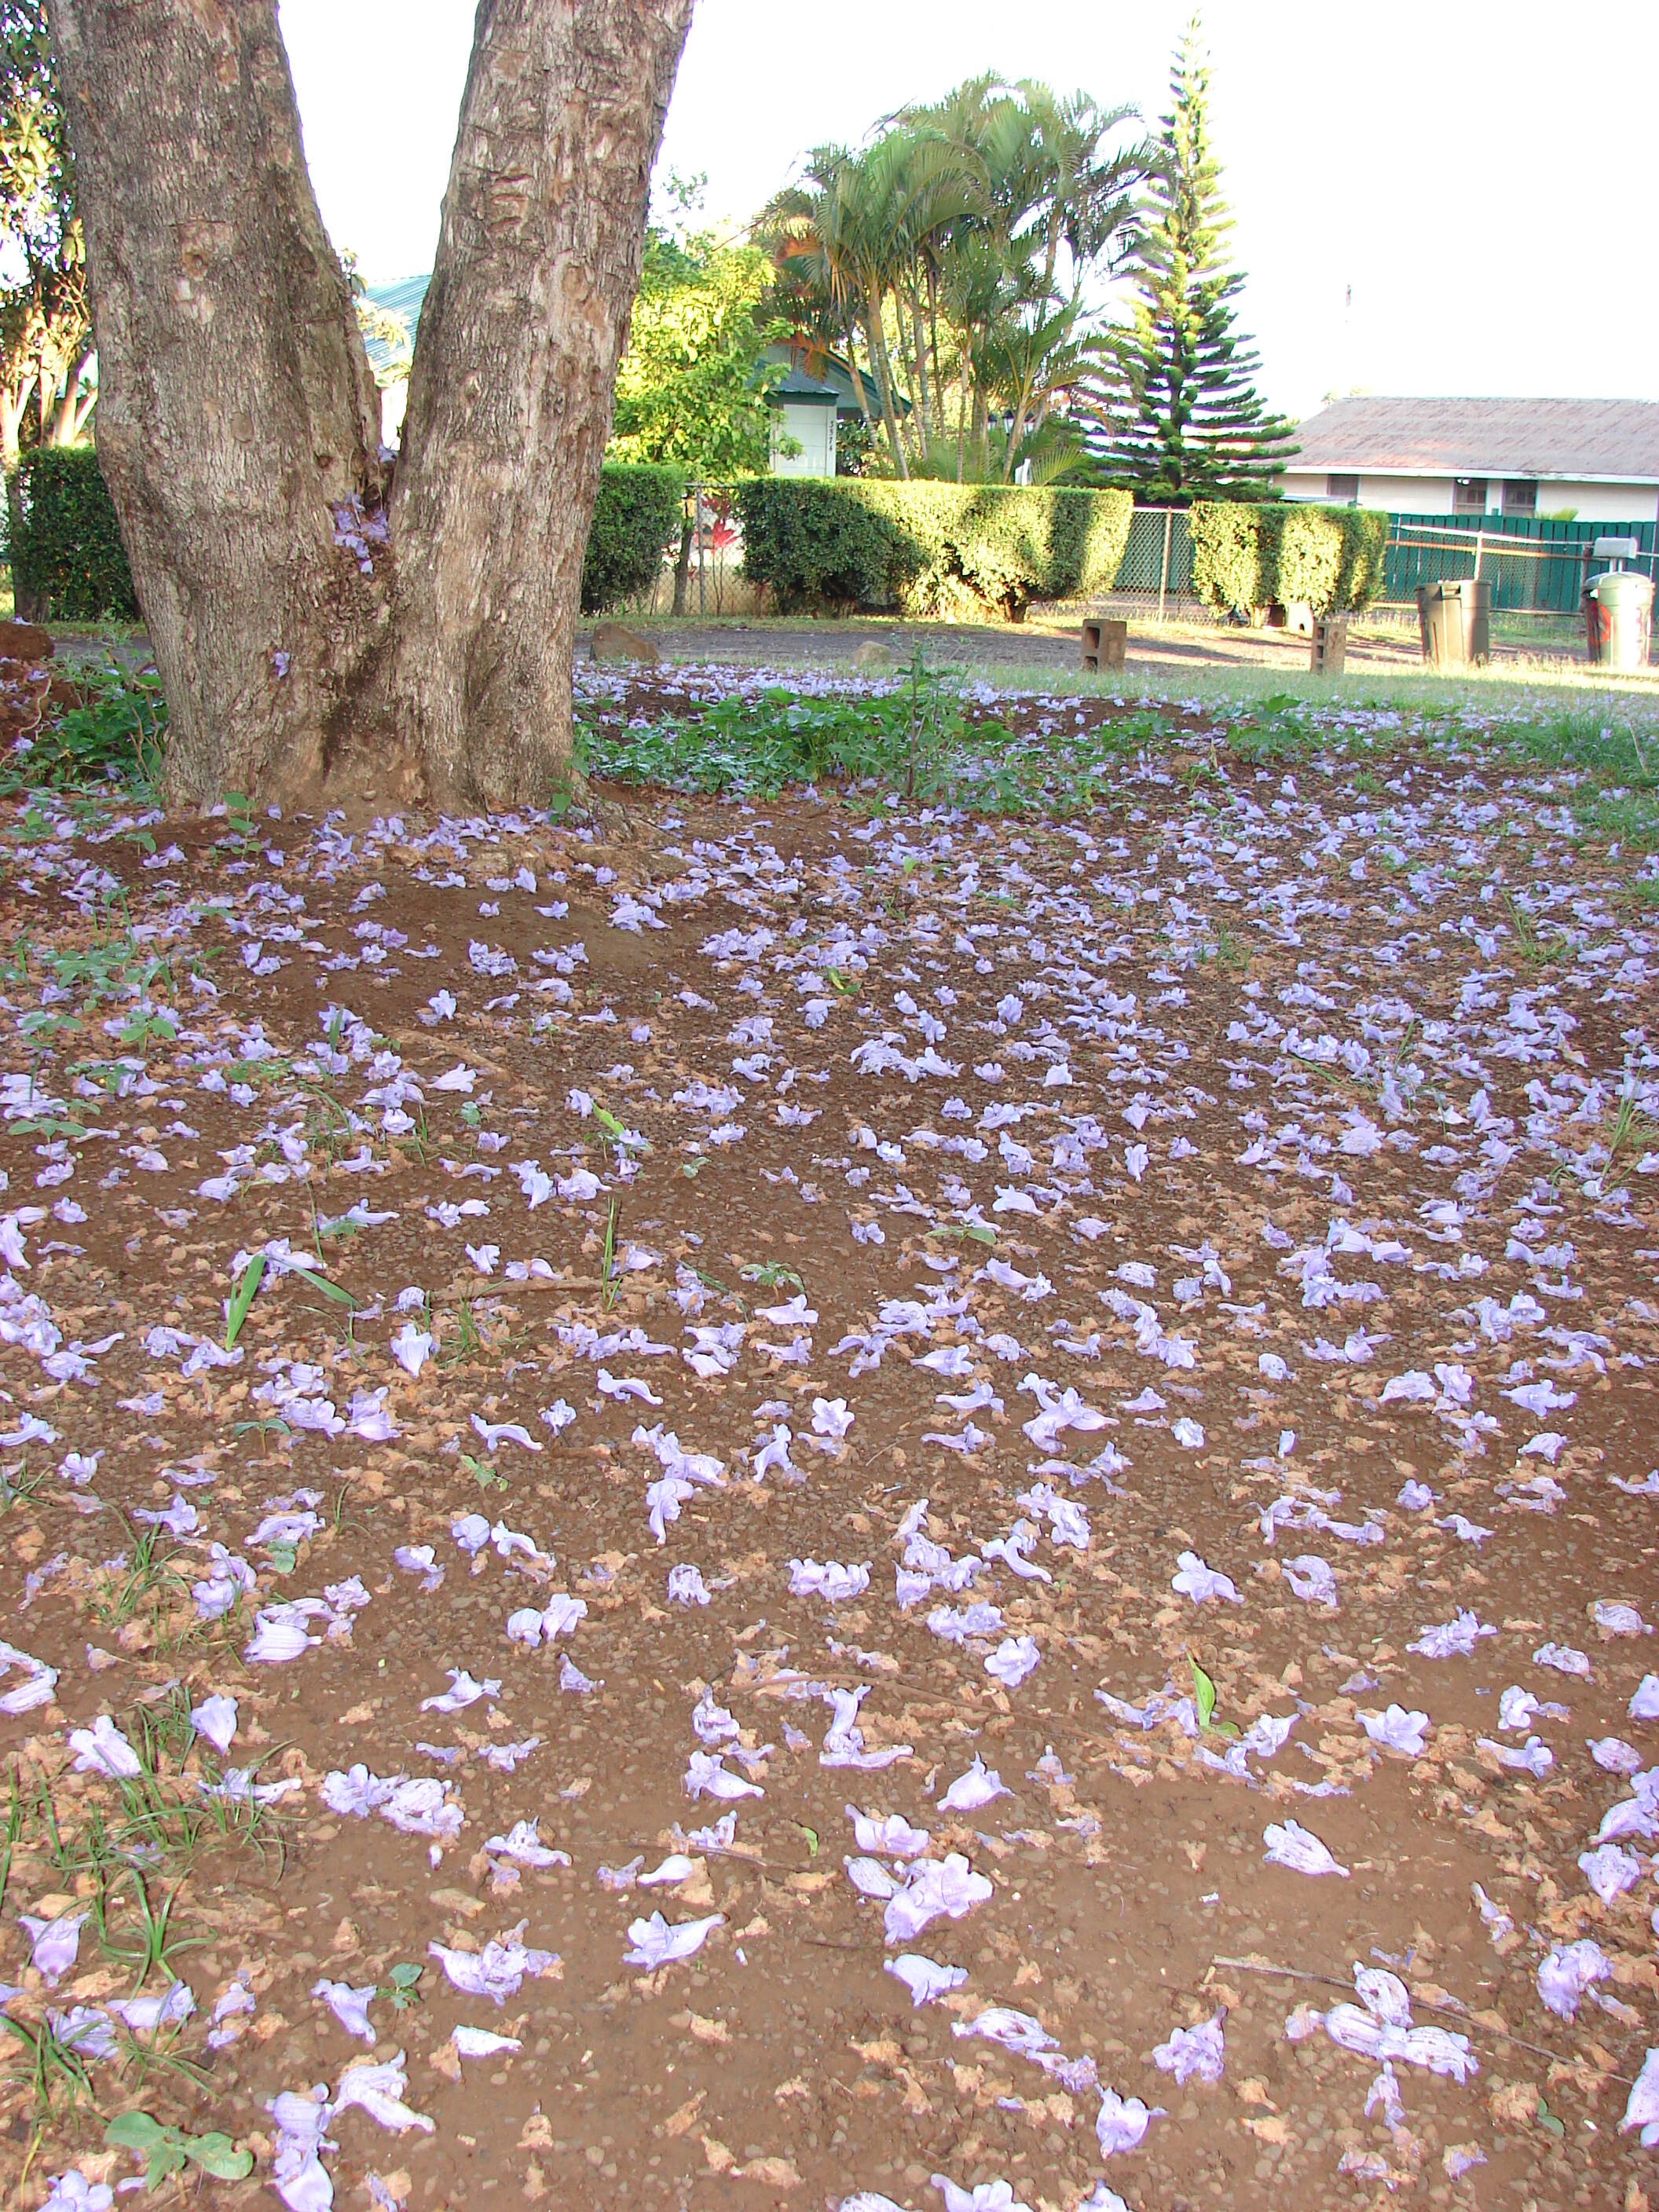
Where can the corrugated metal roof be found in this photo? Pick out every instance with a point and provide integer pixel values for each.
(798, 385)
(1613, 439)
(834, 378)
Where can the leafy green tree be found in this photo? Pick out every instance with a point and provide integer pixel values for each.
(1177, 393)
(952, 250)
(45, 315)
(691, 387)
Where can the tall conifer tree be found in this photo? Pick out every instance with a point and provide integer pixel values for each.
(1178, 395)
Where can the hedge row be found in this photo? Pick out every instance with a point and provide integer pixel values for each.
(636, 514)
(69, 549)
(928, 547)
(842, 542)
(1329, 558)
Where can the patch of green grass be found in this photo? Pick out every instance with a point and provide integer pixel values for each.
(114, 742)
(48, 2066)
(150, 1583)
(144, 1942)
(915, 743)
(19, 1484)
(611, 1273)
(1534, 949)
(1203, 1701)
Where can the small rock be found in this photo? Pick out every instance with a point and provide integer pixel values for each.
(612, 642)
(870, 655)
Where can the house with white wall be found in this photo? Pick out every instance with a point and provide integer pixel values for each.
(817, 391)
(1593, 460)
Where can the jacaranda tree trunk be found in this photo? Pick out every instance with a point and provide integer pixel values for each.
(236, 411)
(311, 638)
(509, 394)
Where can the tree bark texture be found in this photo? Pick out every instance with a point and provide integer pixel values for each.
(237, 415)
(309, 634)
(509, 394)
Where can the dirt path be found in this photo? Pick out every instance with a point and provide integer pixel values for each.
(1043, 644)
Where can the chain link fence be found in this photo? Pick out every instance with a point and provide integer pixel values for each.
(701, 575)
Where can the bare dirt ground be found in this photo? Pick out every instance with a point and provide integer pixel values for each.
(1050, 642)
(694, 1687)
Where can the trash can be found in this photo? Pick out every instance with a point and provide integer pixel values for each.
(1454, 622)
(1619, 618)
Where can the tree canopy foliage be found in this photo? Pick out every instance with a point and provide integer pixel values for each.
(953, 251)
(1178, 397)
(45, 312)
(691, 387)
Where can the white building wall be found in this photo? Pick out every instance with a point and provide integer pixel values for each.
(1592, 502)
(1600, 502)
(812, 427)
(394, 399)
(1393, 494)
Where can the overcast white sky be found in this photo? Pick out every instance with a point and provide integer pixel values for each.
(1482, 173)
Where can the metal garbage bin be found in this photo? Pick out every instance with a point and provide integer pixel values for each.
(1454, 622)
(1619, 618)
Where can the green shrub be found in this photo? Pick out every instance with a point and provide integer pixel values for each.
(814, 541)
(636, 512)
(1329, 558)
(928, 547)
(69, 549)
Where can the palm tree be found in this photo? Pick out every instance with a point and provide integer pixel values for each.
(977, 220)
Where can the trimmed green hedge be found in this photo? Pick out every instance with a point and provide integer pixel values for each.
(636, 514)
(69, 551)
(813, 542)
(1329, 558)
(928, 547)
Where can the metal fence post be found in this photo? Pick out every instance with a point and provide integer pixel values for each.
(1480, 541)
(1164, 572)
(702, 591)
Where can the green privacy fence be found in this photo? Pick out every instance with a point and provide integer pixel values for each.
(1534, 565)
(1159, 556)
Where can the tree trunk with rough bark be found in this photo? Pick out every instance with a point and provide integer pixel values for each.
(509, 394)
(237, 415)
(74, 408)
(311, 638)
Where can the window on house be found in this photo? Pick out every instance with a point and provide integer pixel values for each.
(1343, 488)
(1520, 495)
(1468, 494)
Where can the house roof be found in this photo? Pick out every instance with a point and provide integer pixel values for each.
(1587, 440)
(834, 381)
(797, 385)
